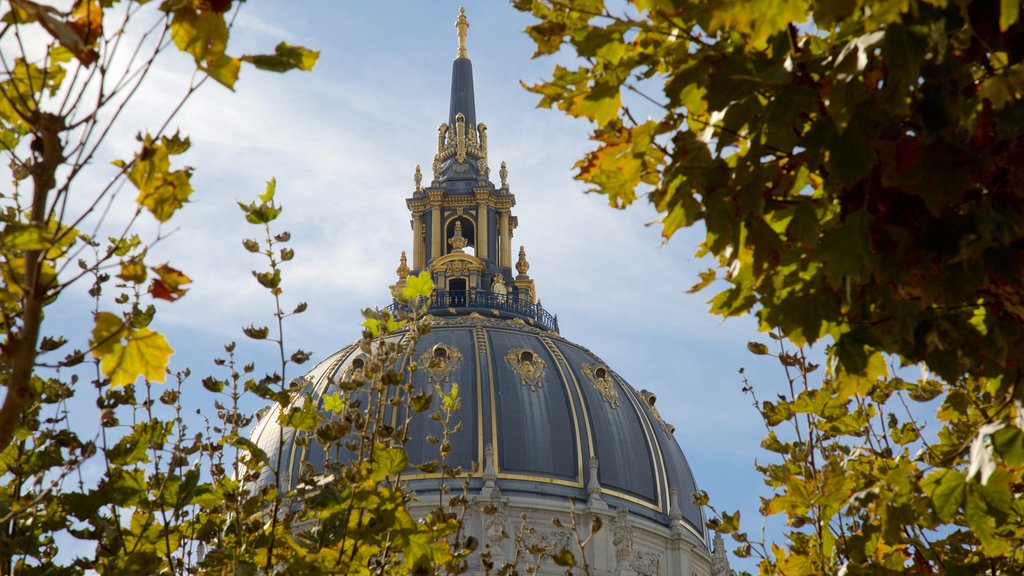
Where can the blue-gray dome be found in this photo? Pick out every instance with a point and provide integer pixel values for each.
(547, 406)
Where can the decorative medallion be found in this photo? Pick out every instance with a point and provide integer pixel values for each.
(647, 563)
(528, 365)
(602, 380)
(439, 362)
(355, 372)
(457, 268)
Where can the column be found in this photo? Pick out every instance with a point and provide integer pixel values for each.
(506, 240)
(482, 235)
(435, 232)
(417, 241)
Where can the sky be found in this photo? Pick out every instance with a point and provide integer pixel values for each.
(343, 143)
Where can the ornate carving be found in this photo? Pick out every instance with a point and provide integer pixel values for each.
(602, 380)
(439, 362)
(476, 319)
(719, 558)
(503, 174)
(417, 177)
(494, 523)
(442, 131)
(355, 371)
(622, 539)
(548, 541)
(460, 137)
(647, 563)
(457, 268)
(499, 288)
(481, 166)
(528, 365)
(650, 399)
(482, 128)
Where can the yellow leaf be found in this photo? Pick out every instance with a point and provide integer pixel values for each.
(161, 190)
(106, 333)
(145, 353)
(133, 271)
(204, 35)
(418, 286)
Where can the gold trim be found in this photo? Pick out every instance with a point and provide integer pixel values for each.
(538, 478)
(631, 498)
(479, 337)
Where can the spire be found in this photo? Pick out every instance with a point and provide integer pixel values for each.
(462, 79)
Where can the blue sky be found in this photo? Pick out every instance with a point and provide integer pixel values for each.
(343, 143)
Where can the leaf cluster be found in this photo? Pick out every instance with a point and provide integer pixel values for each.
(856, 169)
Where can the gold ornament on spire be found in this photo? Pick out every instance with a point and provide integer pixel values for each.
(417, 177)
(522, 266)
(403, 268)
(462, 24)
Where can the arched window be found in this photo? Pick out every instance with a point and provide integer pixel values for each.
(468, 230)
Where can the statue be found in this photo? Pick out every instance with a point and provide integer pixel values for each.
(418, 178)
(499, 288)
(504, 175)
(442, 131)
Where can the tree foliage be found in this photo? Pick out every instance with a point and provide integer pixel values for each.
(856, 166)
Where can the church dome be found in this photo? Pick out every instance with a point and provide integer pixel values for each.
(537, 410)
(547, 427)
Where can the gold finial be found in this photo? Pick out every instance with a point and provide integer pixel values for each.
(458, 241)
(462, 24)
(522, 266)
(403, 268)
(504, 175)
(418, 178)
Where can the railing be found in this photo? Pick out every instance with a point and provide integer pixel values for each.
(445, 299)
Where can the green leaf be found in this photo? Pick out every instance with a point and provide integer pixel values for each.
(1009, 13)
(285, 58)
(388, 461)
(268, 193)
(947, 489)
(19, 236)
(1009, 443)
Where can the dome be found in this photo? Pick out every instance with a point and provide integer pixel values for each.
(547, 427)
(542, 408)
